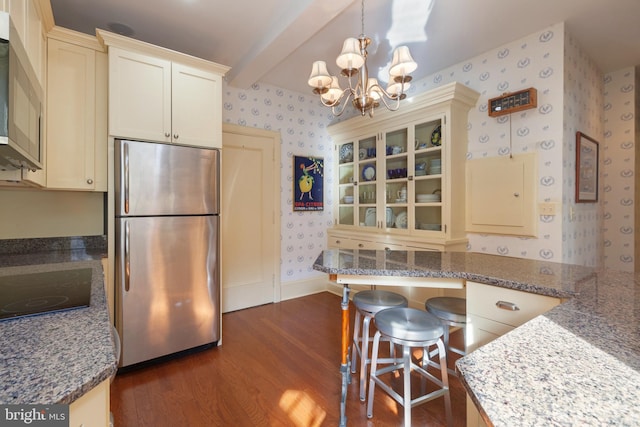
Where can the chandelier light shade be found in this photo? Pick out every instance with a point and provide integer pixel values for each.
(365, 93)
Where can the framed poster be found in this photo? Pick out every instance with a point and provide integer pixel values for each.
(586, 169)
(308, 183)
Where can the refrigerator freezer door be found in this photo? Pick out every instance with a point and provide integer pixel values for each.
(161, 179)
(167, 281)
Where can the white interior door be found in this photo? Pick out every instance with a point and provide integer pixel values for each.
(250, 242)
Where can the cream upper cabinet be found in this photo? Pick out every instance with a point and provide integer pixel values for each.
(401, 174)
(156, 99)
(76, 116)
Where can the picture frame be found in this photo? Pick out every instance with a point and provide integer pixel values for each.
(587, 170)
(308, 183)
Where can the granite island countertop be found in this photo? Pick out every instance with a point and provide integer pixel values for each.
(56, 357)
(576, 365)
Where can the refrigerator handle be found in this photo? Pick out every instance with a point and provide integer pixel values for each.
(127, 261)
(126, 177)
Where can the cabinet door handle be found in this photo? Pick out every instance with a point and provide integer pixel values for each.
(516, 194)
(360, 245)
(127, 259)
(167, 134)
(337, 242)
(126, 177)
(176, 136)
(506, 305)
(89, 181)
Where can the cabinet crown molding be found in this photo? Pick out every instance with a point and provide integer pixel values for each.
(75, 37)
(107, 39)
(451, 92)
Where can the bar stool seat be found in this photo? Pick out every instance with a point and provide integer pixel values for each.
(409, 328)
(367, 304)
(452, 311)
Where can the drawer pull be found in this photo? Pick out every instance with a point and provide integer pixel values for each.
(505, 305)
(360, 245)
(337, 242)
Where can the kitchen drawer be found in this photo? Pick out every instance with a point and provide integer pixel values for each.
(482, 300)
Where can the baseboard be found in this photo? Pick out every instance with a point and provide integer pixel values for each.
(300, 288)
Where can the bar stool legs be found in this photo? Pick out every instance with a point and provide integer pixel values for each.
(367, 304)
(418, 330)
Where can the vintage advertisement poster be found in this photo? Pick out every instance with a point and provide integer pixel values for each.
(308, 183)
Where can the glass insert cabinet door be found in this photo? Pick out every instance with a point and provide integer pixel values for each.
(429, 172)
(393, 180)
(358, 183)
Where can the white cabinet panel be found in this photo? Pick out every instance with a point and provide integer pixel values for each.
(139, 96)
(155, 99)
(501, 195)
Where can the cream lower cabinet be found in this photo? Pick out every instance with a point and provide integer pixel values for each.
(493, 311)
(76, 113)
(91, 409)
(401, 174)
(155, 98)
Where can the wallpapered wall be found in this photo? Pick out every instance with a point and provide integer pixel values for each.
(570, 98)
(302, 124)
(533, 61)
(583, 111)
(619, 175)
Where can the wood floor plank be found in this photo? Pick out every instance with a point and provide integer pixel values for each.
(278, 366)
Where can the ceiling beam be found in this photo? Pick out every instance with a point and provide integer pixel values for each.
(299, 23)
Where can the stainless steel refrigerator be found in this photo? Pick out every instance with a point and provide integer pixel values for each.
(167, 246)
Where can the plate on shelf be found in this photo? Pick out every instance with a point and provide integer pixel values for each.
(390, 217)
(370, 217)
(346, 153)
(369, 173)
(401, 220)
(436, 136)
(362, 153)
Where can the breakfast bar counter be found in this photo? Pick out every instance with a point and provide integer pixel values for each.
(576, 365)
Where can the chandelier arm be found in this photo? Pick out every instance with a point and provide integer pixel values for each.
(391, 97)
(339, 111)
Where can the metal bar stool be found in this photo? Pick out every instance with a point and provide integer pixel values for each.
(367, 304)
(409, 328)
(451, 311)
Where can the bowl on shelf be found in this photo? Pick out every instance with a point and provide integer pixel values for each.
(348, 199)
(435, 170)
(433, 227)
(428, 198)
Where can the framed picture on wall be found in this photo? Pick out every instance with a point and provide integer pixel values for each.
(586, 169)
(308, 183)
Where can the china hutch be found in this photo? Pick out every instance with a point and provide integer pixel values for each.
(400, 176)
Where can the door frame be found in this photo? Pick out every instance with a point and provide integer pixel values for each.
(275, 136)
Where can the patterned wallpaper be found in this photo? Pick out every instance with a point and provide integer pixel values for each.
(583, 111)
(302, 123)
(570, 98)
(619, 175)
(533, 61)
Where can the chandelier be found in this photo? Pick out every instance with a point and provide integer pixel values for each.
(365, 93)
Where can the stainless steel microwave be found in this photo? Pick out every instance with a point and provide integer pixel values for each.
(20, 103)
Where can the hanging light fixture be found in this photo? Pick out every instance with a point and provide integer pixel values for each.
(366, 94)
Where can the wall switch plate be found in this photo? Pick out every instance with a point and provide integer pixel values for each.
(547, 208)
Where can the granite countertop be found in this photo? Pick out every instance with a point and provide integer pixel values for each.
(56, 357)
(576, 365)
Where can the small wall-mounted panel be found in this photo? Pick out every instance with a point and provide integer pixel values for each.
(501, 195)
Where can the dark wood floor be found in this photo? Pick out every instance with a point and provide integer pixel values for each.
(278, 366)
